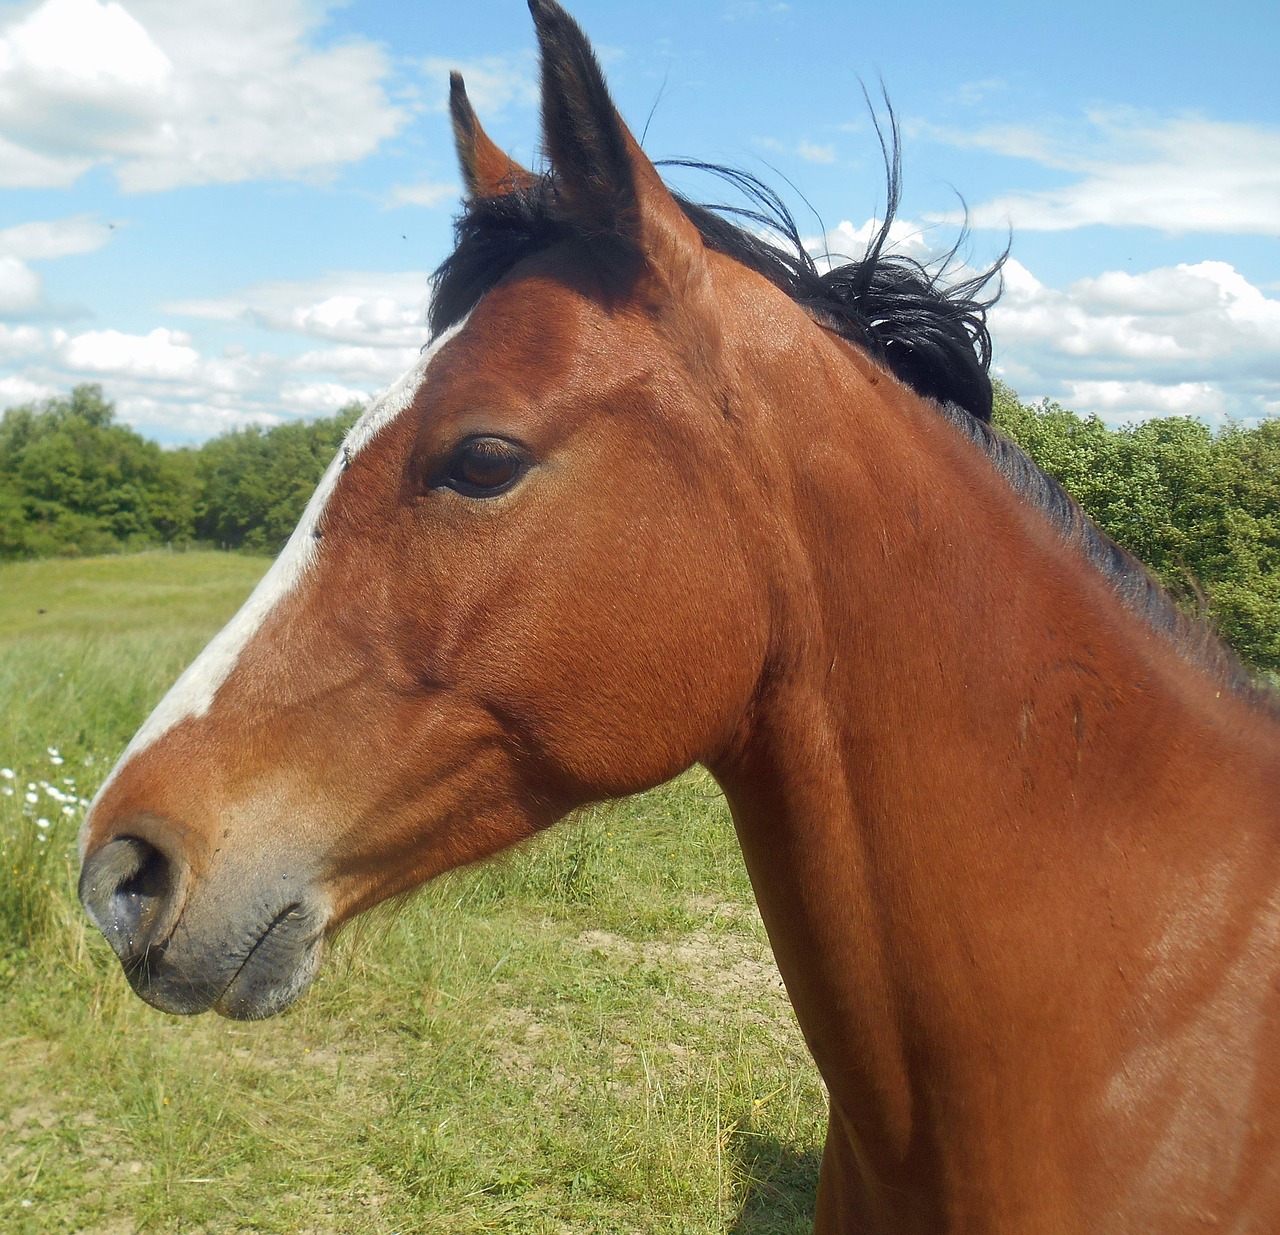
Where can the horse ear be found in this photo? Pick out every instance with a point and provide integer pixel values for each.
(605, 181)
(487, 170)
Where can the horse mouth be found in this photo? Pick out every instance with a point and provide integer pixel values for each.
(275, 970)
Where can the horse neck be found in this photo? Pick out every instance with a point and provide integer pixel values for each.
(967, 757)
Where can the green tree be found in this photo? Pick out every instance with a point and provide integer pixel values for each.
(254, 484)
(74, 481)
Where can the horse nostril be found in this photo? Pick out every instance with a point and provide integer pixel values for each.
(127, 887)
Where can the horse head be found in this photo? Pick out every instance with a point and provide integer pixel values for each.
(529, 580)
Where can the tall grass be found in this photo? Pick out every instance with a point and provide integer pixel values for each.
(586, 1035)
(86, 649)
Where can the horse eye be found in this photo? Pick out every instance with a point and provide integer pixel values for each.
(484, 467)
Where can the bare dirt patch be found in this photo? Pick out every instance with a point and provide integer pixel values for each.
(730, 968)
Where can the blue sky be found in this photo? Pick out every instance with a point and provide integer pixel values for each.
(225, 212)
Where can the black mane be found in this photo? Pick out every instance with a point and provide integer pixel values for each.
(931, 335)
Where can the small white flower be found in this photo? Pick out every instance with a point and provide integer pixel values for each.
(54, 752)
(31, 784)
(69, 780)
(68, 811)
(83, 801)
(32, 798)
(56, 759)
(42, 823)
(7, 773)
(8, 791)
(41, 837)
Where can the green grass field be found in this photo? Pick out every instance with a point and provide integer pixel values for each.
(588, 1036)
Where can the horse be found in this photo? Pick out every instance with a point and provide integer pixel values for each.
(660, 493)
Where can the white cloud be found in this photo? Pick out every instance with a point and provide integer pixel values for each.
(1186, 174)
(180, 94)
(811, 152)
(1116, 400)
(1016, 141)
(15, 391)
(381, 365)
(971, 93)
(429, 194)
(21, 168)
(1030, 314)
(21, 290)
(364, 309)
(1179, 289)
(76, 75)
(165, 354)
(191, 420)
(347, 317)
(169, 385)
(494, 83)
(40, 241)
(320, 398)
(1194, 339)
(848, 242)
(84, 43)
(20, 342)
(1188, 313)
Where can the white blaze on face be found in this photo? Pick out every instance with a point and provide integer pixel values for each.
(193, 693)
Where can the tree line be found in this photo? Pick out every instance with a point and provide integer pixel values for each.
(75, 481)
(1201, 508)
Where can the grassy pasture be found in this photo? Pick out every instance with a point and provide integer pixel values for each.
(588, 1036)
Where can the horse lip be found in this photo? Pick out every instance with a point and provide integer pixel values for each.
(278, 967)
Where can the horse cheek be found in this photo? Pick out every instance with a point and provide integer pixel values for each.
(624, 681)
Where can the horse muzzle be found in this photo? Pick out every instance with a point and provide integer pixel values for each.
(245, 944)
